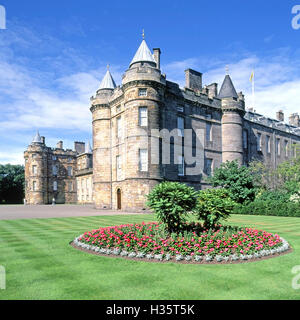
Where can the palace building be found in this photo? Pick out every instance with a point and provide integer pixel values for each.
(118, 171)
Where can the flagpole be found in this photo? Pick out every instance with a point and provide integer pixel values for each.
(253, 91)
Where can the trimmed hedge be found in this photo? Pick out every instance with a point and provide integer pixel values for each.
(269, 208)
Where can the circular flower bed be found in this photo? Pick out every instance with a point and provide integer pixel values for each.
(194, 244)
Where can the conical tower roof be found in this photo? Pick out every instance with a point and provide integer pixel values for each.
(227, 89)
(88, 148)
(143, 54)
(37, 138)
(107, 82)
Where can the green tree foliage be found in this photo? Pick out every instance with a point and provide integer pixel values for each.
(213, 205)
(12, 183)
(171, 202)
(285, 178)
(238, 180)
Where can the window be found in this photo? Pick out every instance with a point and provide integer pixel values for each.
(143, 116)
(268, 144)
(245, 139)
(54, 158)
(278, 146)
(180, 165)
(142, 92)
(208, 116)
(119, 167)
(208, 132)
(180, 109)
(258, 141)
(54, 170)
(208, 166)
(69, 159)
(34, 170)
(34, 185)
(143, 160)
(119, 127)
(180, 126)
(55, 186)
(34, 156)
(70, 171)
(294, 149)
(70, 186)
(286, 148)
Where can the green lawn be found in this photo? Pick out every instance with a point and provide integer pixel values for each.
(40, 264)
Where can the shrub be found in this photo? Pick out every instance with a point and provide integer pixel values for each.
(213, 205)
(276, 195)
(269, 208)
(238, 180)
(171, 201)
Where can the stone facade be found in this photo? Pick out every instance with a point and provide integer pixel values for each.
(128, 159)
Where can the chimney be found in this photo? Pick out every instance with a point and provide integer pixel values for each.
(156, 54)
(241, 96)
(294, 120)
(43, 140)
(59, 145)
(212, 90)
(280, 115)
(193, 79)
(79, 147)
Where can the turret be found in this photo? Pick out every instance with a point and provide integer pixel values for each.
(233, 109)
(35, 171)
(101, 114)
(143, 86)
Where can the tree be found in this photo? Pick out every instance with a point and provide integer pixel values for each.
(12, 182)
(238, 181)
(286, 177)
(171, 201)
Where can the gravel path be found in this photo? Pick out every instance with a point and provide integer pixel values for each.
(13, 212)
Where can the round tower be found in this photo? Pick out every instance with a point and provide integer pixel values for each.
(143, 87)
(101, 115)
(233, 109)
(36, 172)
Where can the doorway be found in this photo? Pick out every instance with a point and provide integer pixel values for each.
(119, 199)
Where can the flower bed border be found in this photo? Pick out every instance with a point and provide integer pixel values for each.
(207, 259)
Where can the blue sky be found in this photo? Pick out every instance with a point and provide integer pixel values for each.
(53, 56)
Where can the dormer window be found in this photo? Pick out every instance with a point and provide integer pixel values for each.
(142, 92)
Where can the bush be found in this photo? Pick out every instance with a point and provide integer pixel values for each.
(238, 180)
(213, 205)
(269, 208)
(171, 201)
(276, 195)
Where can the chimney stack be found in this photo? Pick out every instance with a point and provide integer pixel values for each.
(193, 79)
(156, 54)
(212, 90)
(43, 140)
(280, 115)
(79, 147)
(59, 145)
(294, 120)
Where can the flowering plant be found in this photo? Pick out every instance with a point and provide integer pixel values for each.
(148, 239)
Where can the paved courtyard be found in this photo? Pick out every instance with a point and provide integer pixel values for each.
(13, 212)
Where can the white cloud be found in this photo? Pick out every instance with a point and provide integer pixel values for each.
(53, 95)
(277, 83)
